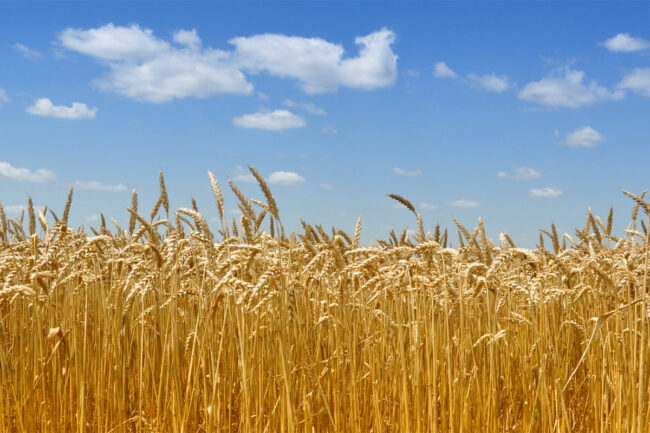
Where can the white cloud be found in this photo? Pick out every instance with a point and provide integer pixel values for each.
(25, 175)
(329, 130)
(317, 64)
(567, 90)
(637, 81)
(462, 203)
(277, 120)
(583, 137)
(4, 98)
(490, 83)
(428, 206)
(286, 178)
(441, 70)
(242, 175)
(410, 173)
(27, 52)
(520, 173)
(326, 186)
(307, 106)
(98, 186)
(546, 192)
(92, 218)
(144, 67)
(625, 43)
(45, 107)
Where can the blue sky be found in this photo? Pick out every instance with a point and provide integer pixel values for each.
(522, 113)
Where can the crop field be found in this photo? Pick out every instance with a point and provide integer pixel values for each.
(167, 326)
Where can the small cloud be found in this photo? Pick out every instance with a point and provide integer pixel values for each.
(546, 192)
(78, 110)
(520, 173)
(312, 109)
(489, 83)
(188, 38)
(277, 120)
(413, 73)
(286, 178)
(626, 43)
(27, 52)
(409, 173)
(583, 137)
(326, 186)
(441, 70)
(263, 96)
(15, 209)
(637, 81)
(428, 206)
(24, 175)
(241, 175)
(4, 98)
(568, 90)
(92, 218)
(289, 103)
(98, 186)
(466, 204)
(329, 130)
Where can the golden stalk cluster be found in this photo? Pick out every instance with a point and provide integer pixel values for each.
(168, 327)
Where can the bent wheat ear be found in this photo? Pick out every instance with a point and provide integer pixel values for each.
(403, 201)
(270, 201)
(218, 196)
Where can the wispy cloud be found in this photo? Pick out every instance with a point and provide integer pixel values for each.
(428, 206)
(27, 52)
(413, 73)
(4, 98)
(145, 67)
(441, 70)
(277, 120)
(490, 83)
(307, 106)
(520, 173)
(462, 203)
(99, 186)
(240, 174)
(638, 80)
(25, 175)
(567, 88)
(326, 186)
(626, 43)
(286, 178)
(16, 209)
(45, 107)
(410, 173)
(547, 192)
(329, 130)
(583, 137)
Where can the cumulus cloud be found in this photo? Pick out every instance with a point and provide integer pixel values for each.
(317, 64)
(98, 186)
(27, 52)
(277, 120)
(547, 192)
(4, 98)
(583, 137)
(45, 107)
(428, 206)
(489, 83)
(25, 175)
(638, 80)
(625, 43)
(410, 173)
(520, 173)
(569, 90)
(147, 68)
(307, 106)
(462, 203)
(286, 178)
(441, 70)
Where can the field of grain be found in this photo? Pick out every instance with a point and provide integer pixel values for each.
(165, 326)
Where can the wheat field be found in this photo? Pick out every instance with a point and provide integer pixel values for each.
(167, 326)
